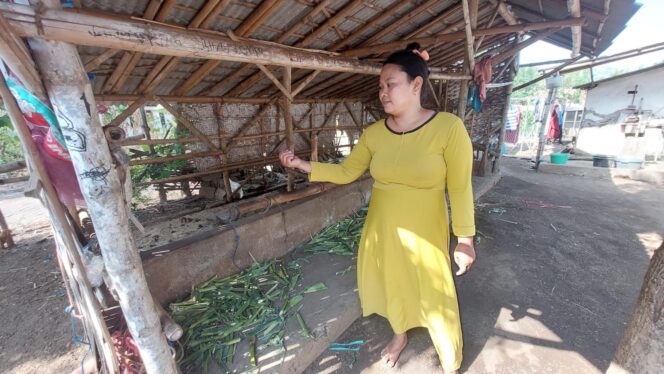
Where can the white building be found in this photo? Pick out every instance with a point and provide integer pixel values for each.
(624, 115)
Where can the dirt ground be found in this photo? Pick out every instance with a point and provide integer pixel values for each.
(560, 264)
(561, 260)
(34, 329)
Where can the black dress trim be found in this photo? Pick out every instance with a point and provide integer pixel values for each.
(413, 130)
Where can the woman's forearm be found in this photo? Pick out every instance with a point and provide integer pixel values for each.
(305, 166)
(468, 240)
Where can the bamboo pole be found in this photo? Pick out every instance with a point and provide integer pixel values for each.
(287, 111)
(214, 99)
(548, 74)
(128, 112)
(71, 95)
(230, 166)
(468, 13)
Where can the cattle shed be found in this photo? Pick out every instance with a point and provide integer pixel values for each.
(241, 80)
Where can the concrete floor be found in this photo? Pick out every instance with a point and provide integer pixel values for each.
(557, 275)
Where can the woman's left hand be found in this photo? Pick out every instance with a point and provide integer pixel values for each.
(464, 255)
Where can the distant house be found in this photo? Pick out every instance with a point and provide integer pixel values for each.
(623, 107)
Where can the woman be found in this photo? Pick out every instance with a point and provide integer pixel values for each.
(404, 269)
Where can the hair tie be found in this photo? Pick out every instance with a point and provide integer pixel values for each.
(423, 54)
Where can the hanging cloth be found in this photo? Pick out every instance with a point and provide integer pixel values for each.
(482, 75)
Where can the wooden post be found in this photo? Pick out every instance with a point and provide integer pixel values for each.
(72, 99)
(506, 109)
(287, 110)
(66, 247)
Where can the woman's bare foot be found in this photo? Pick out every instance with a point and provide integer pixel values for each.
(390, 354)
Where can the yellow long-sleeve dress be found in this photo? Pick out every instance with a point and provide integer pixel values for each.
(404, 269)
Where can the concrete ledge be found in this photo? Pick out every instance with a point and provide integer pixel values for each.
(655, 177)
(226, 250)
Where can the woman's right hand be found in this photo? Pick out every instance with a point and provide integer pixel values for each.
(290, 160)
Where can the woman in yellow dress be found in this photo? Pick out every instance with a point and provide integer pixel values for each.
(404, 271)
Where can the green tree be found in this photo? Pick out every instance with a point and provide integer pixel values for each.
(10, 146)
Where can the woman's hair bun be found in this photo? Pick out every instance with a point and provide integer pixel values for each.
(413, 46)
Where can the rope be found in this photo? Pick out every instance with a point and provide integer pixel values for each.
(75, 339)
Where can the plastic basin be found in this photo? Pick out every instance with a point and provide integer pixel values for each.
(559, 158)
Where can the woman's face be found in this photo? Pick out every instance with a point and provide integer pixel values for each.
(396, 93)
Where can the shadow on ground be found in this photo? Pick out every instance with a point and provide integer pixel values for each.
(561, 261)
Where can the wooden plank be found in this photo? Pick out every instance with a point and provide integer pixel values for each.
(142, 88)
(95, 62)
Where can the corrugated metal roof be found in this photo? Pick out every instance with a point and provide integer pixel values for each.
(291, 13)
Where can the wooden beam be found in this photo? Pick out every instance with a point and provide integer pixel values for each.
(15, 54)
(196, 77)
(574, 7)
(245, 29)
(408, 17)
(437, 39)
(478, 44)
(616, 57)
(128, 112)
(251, 23)
(548, 74)
(135, 58)
(470, 39)
(154, 72)
(331, 22)
(213, 99)
(373, 23)
(274, 80)
(95, 62)
(305, 82)
(96, 30)
(505, 12)
(203, 13)
(165, 10)
(514, 50)
(190, 126)
(234, 139)
(117, 72)
(436, 21)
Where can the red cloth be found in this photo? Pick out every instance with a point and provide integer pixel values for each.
(482, 75)
(554, 124)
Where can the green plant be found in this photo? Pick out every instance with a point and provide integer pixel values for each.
(10, 146)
